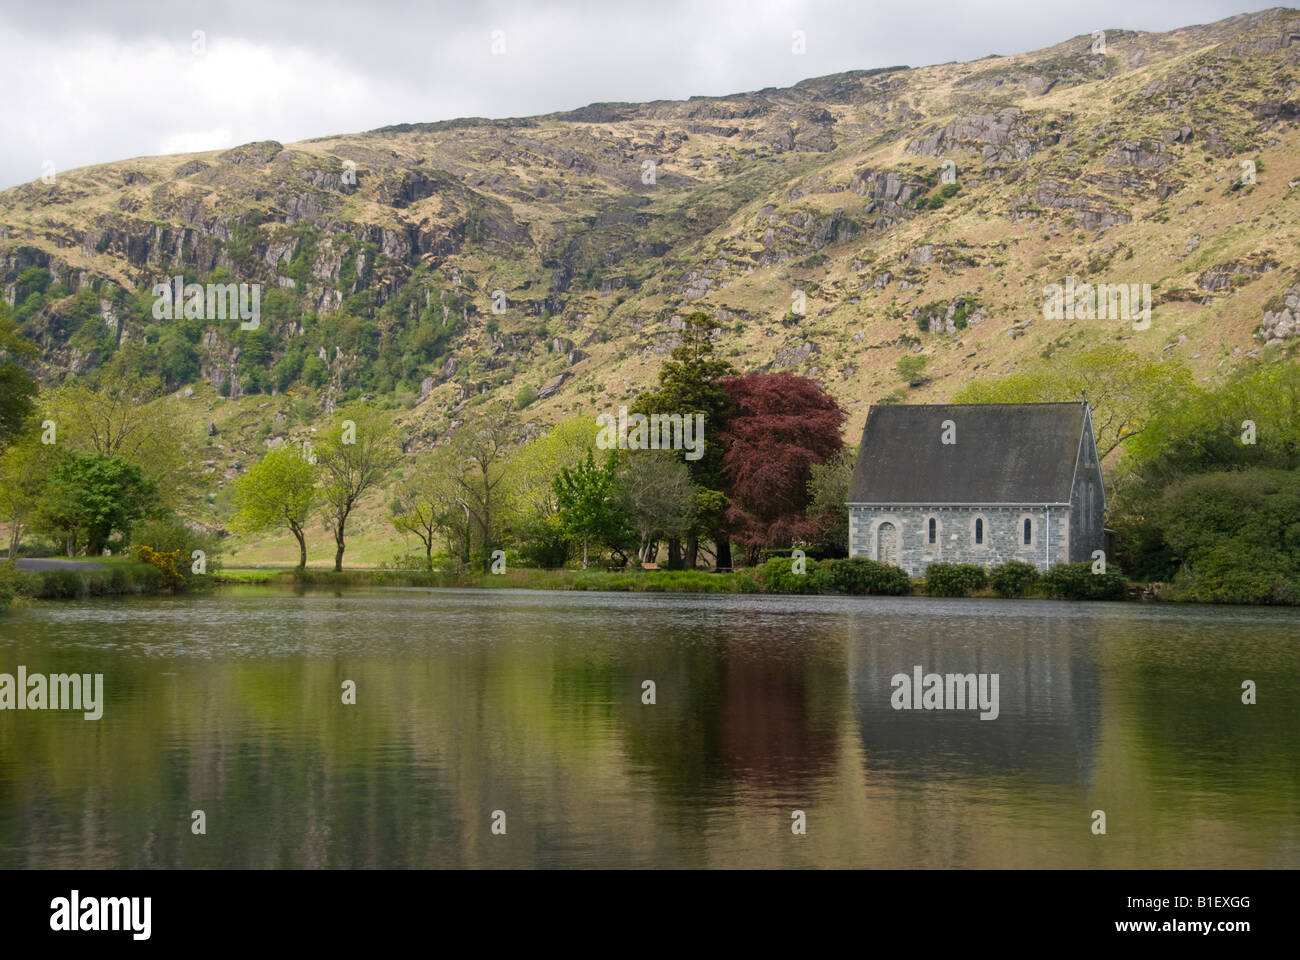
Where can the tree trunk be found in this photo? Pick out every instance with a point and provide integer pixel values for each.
(487, 523)
(584, 552)
(674, 554)
(302, 546)
(692, 551)
(428, 552)
(338, 540)
(724, 550)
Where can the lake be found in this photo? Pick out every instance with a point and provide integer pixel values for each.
(478, 712)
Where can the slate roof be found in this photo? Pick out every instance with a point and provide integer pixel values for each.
(1005, 453)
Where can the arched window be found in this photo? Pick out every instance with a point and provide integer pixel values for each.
(1029, 531)
(933, 528)
(979, 530)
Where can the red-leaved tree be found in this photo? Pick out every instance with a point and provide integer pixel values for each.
(783, 424)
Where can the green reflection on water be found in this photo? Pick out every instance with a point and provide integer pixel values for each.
(530, 703)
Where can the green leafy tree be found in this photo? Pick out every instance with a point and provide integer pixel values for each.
(1125, 389)
(278, 492)
(484, 444)
(828, 511)
(17, 386)
(90, 496)
(427, 503)
(690, 383)
(1234, 537)
(358, 451)
(589, 504)
(533, 468)
(123, 415)
(661, 498)
(911, 367)
(24, 468)
(1250, 420)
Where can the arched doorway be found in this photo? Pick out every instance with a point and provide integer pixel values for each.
(887, 543)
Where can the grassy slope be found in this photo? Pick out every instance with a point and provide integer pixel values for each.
(856, 328)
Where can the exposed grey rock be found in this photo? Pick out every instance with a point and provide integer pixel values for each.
(552, 386)
(261, 151)
(1001, 137)
(1143, 154)
(795, 354)
(1285, 323)
(189, 168)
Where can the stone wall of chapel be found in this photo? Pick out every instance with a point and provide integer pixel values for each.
(955, 535)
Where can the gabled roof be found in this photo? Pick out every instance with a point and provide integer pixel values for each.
(1004, 453)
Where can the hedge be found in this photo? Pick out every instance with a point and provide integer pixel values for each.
(1013, 578)
(1076, 581)
(954, 579)
(858, 575)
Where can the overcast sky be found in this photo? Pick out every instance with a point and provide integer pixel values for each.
(88, 81)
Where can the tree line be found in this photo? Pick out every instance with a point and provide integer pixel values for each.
(1203, 477)
(770, 441)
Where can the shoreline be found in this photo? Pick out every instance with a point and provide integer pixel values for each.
(120, 577)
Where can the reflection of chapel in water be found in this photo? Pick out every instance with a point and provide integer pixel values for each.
(1050, 694)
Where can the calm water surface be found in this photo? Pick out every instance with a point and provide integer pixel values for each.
(531, 703)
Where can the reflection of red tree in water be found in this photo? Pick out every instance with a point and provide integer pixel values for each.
(772, 730)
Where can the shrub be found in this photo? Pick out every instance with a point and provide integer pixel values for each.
(165, 564)
(777, 576)
(13, 583)
(58, 585)
(1076, 581)
(171, 535)
(524, 397)
(1233, 536)
(120, 580)
(911, 367)
(1013, 578)
(858, 575)
(954, 579)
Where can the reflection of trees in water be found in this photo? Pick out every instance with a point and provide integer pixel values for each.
(1182, 690)
(675, 743)
(738, 704)
(543, 718)
(781, 703)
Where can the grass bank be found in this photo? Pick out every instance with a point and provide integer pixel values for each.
(857, 577)
(112, 576)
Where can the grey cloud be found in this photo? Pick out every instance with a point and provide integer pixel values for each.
(421, 61)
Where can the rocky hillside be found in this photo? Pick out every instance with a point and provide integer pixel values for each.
(833, 227)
